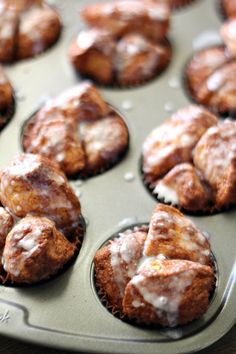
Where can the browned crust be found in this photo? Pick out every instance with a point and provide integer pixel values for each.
(35, 27)
(194, 301)
(92, 136)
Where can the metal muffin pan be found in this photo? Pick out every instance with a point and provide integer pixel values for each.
(66, 311)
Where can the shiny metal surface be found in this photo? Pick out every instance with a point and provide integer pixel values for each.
(66, 312)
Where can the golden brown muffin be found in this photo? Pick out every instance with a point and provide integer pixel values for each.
(210, 74)
(215, 157)
(79, 131)
(34, 184)
(27, 28)
(229, 8)
(6, 223)
(174, 140)
(138, 258)
(168, 292)
(176, 237)
(35, 250)
(116, 264)
(206, 183)
(125, 45)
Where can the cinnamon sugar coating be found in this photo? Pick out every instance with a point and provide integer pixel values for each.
(193, 171)
(150, 275)
(33, 184)
(79, 131)
(28, 28)
(35, 250)
(210, 74)
(174, 140)
(125, 44)
(40, 221)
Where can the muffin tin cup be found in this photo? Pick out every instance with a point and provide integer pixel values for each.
(82, 175)
(66, 312)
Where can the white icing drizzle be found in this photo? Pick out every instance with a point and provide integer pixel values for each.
(125, 252)
(215, 81)
(130, 46)
(216, 150)
(25, 238)
(163, 227)
(167, 193)
(164, 305)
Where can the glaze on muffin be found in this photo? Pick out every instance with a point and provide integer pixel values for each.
(189, 161)
(126, 43)
(79, 131)
(27, 28)
(210, 74)
(41, 225)
(161, 274)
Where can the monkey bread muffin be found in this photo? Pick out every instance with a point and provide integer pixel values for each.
(125, 44)
(210, 74)
(27, 28)
(79, 131)
(41, 226)
(190, 161)
(157, 274)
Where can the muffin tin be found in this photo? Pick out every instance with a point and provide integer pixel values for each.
(66, 312)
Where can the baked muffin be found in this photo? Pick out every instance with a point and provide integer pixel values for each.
(150, 274)
(229, 8)
(126, 43)
(27, 28)
(79, 131)
(41, 222)
(6, 99)
(189, 161)
(210, 77)
(35, 250)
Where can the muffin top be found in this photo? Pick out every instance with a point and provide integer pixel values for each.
(150, 273)
(41, 220)
(27, 28)
(125, 44)
(210, 74)
(189, 161)
(79, 131)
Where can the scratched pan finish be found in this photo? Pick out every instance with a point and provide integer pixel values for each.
(66, 312)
